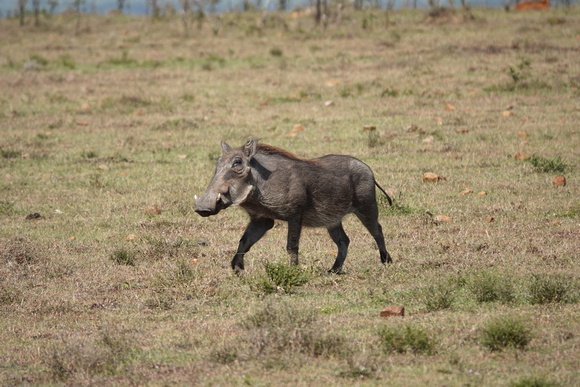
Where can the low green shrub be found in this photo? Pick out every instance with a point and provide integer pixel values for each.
(506, 332)
(404, 338)
(123, 256)
(543, 164)
(489, 287)
(286, 276)
(546, 288)
(532, 382)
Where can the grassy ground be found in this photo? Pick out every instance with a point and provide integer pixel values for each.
(108, 130)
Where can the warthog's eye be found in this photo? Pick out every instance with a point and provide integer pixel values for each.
(236, 162)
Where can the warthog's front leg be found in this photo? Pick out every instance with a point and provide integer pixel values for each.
(294, 230)
(255, 230)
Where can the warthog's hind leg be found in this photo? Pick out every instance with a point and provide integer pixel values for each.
(372, 224)
(341, 239)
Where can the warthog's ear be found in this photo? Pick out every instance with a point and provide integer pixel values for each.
(250, 147)
(225, 147)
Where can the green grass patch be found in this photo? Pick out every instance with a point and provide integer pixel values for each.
(284, 276)
(546, 165)
(406, 338)
(552, 288)
(123, 256)
(505, 332)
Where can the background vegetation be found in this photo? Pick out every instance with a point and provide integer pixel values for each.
(110, 125)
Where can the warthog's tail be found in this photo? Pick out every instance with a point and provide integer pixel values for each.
(386, 194)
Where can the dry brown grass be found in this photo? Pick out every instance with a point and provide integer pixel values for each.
(127, 114)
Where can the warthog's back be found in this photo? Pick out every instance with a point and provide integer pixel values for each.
(321, 190)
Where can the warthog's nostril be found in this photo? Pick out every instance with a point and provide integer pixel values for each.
(204, 213)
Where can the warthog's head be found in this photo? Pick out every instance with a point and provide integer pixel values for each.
(231, 183)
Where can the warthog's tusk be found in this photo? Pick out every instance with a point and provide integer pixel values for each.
(195, 198)
(219, 197)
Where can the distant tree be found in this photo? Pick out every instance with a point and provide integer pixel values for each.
(36, 8)
(76, 6)
(52, 4)
(22, 10)
(155, 9)
(120, 5)
(321, 11)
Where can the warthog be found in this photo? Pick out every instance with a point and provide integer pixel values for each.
(271, 183)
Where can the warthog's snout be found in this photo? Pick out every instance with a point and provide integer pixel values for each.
(205, 206)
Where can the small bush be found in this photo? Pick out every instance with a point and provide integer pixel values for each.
(19, 250)
(224, 353)
(6, 208)
(406, 338)
(532, 382)
(8, 295)
(490, 287)
(67, 61)
(439, 297)
(506, 332)
(286, 328)
(543, 164)
(123, 256)
(286, 276)
(275, 51)
(545, 289)
(10, 153)
(76, 356)
(390, 92)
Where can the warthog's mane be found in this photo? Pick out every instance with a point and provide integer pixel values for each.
(266, 149)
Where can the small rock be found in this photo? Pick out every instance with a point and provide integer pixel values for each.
(441, 219)
(439, 120)
(411, 128)
(523, 133)
(33, 216)
(82, 123)
(507, 113)
(104, 167)
(559, 181)
(369, 127)
(462, 131)
(428, 140)
(331, 83)
(181, 156)
(489, 219)
(481, 193)
(521, 155)
(430, 177)
(297, 128)
(555, 223)
(329, 103)
(393, 310)
(72, 238)
(466, 191)
(449, 107)
(152, 210)
(132, 237)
